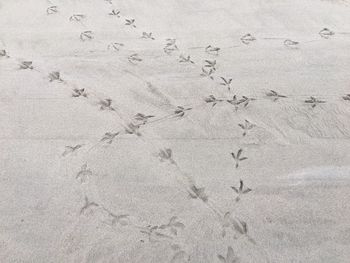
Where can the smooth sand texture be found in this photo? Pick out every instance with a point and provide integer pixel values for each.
(83, 178)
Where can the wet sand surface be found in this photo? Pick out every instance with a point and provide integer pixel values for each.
(174, 131)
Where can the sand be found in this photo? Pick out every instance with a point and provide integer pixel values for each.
(113, 149)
